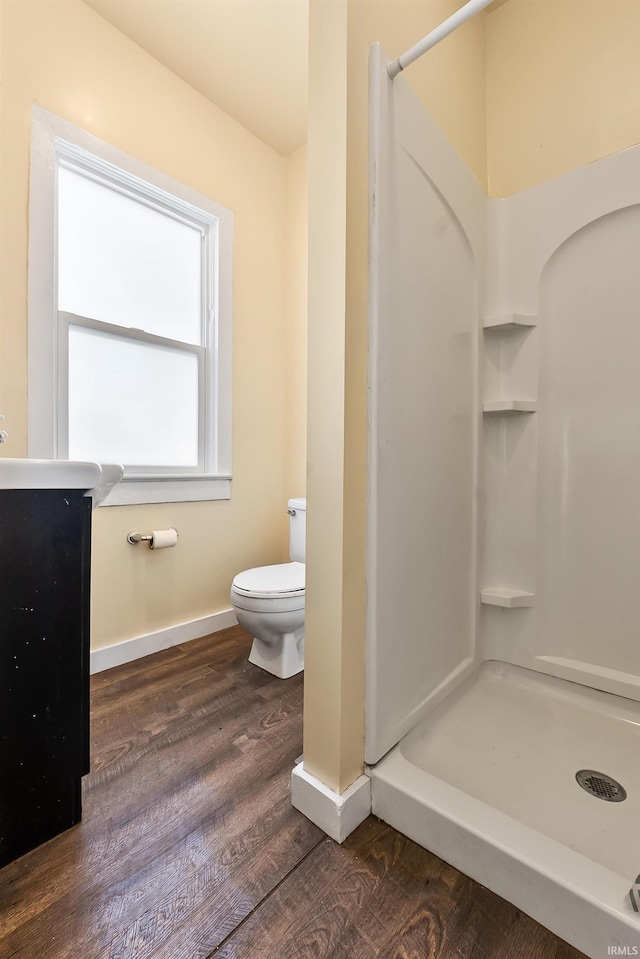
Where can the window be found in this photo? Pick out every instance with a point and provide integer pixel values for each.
(130, 279)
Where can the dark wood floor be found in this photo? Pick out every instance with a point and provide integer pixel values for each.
(189, 847)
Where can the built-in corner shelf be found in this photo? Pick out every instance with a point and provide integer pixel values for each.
(508, 321)
(509, 406)
(507, 598)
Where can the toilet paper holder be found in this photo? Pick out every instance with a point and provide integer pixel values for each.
(134, 537)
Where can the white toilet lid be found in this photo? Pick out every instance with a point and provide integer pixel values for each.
(285, 579)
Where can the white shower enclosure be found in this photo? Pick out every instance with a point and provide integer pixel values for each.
(503, 622)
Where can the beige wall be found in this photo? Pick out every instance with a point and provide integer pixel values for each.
(563, 87)
(452, 86)
(295, 348)
(450, 80)
(62, 55)
(324, 641)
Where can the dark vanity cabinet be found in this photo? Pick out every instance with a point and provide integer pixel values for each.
(45, 546)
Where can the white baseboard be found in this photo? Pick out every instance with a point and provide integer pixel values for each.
(130, 649)
(337, 814)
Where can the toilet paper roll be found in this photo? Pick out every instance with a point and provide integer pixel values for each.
(163, 538)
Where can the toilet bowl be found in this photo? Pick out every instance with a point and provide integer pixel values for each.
(269, 603)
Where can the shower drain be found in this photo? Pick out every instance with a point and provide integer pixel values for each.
(600, 785)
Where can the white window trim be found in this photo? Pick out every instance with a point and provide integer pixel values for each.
(169, 486)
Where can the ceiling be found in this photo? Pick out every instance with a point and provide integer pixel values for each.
(249, 57)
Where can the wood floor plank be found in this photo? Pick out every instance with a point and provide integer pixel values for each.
(189, 847)
(216, 740)
(187, 821)
(197, 826)
(382, 895)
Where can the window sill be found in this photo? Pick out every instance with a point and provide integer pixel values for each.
(133, 490)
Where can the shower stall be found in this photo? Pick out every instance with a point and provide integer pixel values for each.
(503, 637)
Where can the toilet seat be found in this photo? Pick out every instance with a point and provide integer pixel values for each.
(286, 580)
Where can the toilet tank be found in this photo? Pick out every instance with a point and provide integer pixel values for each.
(297, 529)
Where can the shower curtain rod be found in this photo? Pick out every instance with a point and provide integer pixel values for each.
(445, 28)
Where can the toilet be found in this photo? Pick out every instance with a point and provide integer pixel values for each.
(269, 603)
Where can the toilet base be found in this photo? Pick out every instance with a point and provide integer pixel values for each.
(283, 658)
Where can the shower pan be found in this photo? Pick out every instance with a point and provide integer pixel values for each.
(503, 661)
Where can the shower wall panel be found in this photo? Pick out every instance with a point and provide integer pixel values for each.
(589, 464)
(561, 508)
(427, 245)
(553, 547)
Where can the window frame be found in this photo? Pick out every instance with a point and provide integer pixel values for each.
(57, 142)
